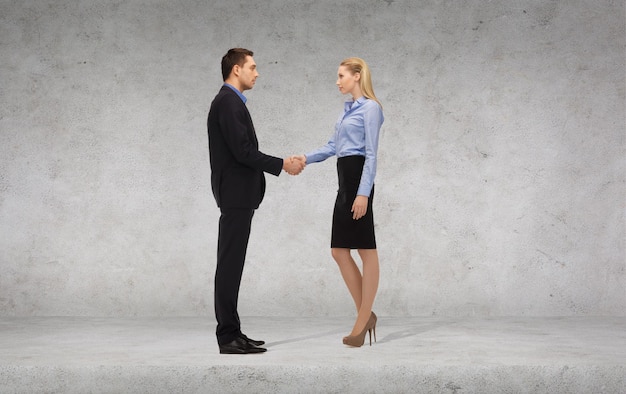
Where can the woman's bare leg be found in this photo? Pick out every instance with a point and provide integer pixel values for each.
(350, 273)
(362, 287)
(369, 287)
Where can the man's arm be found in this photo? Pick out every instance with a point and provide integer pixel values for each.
(235, 126)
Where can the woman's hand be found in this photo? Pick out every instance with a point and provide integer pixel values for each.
(359, 207)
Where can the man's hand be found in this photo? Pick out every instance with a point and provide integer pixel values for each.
(294, 164)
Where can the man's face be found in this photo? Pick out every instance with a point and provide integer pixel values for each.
(248, 74)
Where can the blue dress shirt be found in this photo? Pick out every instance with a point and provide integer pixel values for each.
(356, 133)
(241, 96)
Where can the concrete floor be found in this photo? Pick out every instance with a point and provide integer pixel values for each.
(430, 355)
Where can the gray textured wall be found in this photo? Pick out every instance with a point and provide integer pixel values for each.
(500, 188)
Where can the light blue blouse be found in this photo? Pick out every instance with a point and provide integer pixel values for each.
(356, 133)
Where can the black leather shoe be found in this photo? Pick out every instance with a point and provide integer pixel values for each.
(251, 341)
(240, 346)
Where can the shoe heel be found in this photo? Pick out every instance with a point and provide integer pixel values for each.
(372, 326)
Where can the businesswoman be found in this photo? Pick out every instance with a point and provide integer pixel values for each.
(355, 143)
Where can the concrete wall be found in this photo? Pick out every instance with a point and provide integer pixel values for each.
(500, 187)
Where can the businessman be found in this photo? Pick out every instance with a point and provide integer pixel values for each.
(238, 184)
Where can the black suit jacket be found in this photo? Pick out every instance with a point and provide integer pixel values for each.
(237, 165)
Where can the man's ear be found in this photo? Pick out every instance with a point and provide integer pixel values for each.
(236, 70)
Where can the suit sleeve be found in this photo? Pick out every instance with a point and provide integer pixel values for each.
(241, 140)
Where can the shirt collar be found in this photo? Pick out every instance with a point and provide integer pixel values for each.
(241, 96)
(351, 104)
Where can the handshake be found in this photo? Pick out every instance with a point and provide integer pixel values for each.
(294, 164)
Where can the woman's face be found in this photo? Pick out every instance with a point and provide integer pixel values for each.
(347, 82)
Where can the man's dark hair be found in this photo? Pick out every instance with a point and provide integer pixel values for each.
(234, 56)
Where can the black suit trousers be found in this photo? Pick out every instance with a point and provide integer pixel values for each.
(232, 243)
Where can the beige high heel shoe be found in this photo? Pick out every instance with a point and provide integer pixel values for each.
(359, 339)
(373, 318)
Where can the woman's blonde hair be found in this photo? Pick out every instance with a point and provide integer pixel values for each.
(358, 65)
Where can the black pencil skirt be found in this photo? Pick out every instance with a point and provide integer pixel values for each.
(347, 232)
